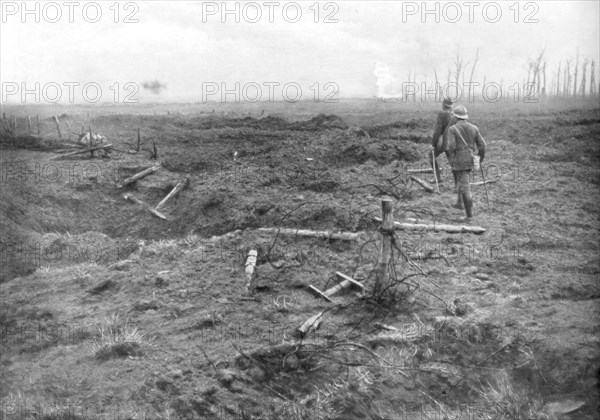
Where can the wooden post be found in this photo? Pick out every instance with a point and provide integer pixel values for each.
(29, 124)
(139, 140)
(436, 227)
(37, 118)
(422, 183)
(68, 128)
(14, 123)
(250, 265)
(4, 120)
(138, 176)
(131, 197)
(104, 146)
(341, 236)
(58, 127)
(382, 274)
(312, 323)
(180, 186)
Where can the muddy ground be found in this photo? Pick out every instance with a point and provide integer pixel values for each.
(110, 312)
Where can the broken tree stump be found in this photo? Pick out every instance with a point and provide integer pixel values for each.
(37, 118)
(250, 266)
(382, 273)
(344, 284)
(134, 199)
(139, 175)
(423, 184)
(341, 236)
(91, 149)
(180, 186)
(311, 323)
(437, 227)
(29, 124)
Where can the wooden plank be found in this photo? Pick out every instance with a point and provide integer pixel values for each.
(419, 171)
(344, 277)
(437, 227)
(423, 184)
(139, 175)
(83, 151)
(180, 186)
(342, 236)
(134, 199)
(319, 293)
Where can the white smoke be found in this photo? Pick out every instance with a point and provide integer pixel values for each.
(386, 82)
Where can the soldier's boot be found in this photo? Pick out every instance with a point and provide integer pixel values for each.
(468, 200)
(459, 202)
(455, 182)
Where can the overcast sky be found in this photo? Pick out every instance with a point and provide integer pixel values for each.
(368, 48)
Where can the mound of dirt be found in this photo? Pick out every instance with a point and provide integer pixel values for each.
(320, 122)
(10, 141)
(380, 151)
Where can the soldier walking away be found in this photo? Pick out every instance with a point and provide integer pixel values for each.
(444, 119)
(462, 139)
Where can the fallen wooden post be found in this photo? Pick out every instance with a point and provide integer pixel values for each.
(489, 181)
(138, 176)
(132, 198)
(342, 236)
(344, 284)
(106, 146)
(250, 265)
(312, 323)
(423, 184)
(437, 227)
(58, 127)
(180, 186)
(419, 171)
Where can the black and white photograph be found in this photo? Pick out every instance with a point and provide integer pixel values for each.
(299, 210)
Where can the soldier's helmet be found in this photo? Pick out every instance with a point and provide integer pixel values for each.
(447, 103)
(460, 112)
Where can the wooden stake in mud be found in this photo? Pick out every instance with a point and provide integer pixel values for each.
(58, 127)
(174, 191)
(138, 176)
(29, 124)
(139, 140)
(37, 118)
(437, 188)
(423, 184)
(68, 129)
(382, 274)
(250, 265)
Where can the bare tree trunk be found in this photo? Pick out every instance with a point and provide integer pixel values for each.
(575, 78)
(558, 80)
(473, 71)
(593, 78)
(583, 77)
